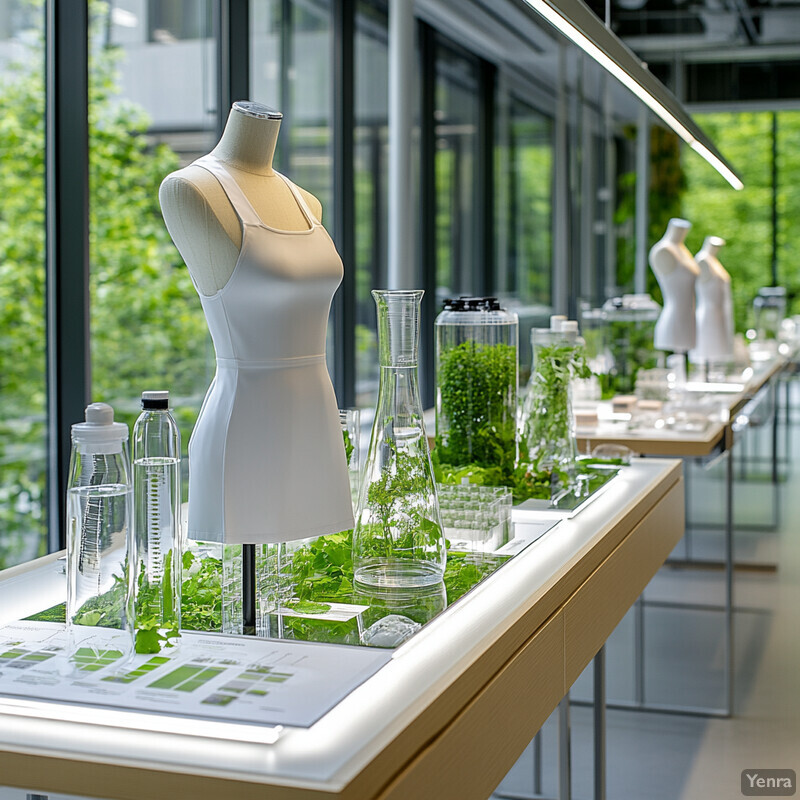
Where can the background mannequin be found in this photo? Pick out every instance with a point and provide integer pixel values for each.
(266, 457)
(676, 272)
(714, 305)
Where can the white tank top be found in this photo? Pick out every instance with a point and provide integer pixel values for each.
(266, 457)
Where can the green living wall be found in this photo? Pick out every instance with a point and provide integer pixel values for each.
(744, 218)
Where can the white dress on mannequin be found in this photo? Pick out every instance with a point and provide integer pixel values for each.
(261, 454)
(714, 305)
(676, 272)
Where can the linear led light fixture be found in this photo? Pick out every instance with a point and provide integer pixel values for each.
(580, 25)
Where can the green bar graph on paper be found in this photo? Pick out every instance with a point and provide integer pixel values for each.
(172, 679)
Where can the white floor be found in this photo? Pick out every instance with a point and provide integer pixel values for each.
(667, 757)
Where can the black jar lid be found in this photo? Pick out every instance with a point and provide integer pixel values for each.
(466, 303)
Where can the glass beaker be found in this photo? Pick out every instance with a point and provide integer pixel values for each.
(398, 539)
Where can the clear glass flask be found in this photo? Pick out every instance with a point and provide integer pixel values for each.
(100, 543)
(157, 524)
(398, 539)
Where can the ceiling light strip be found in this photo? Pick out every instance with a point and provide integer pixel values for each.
(624, 75)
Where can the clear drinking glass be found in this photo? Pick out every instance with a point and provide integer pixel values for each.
(398, 539)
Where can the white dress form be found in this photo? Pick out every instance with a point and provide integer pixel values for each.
(714, 305)
(676, 272)
(266, 457)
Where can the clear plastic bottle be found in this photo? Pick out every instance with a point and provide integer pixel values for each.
(476, 389)
(100, 543)
(398, 539)
(156, 516)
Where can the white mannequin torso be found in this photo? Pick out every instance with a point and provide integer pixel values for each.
(266, 271)
(199, 217)
(676, 272)
(714, 305)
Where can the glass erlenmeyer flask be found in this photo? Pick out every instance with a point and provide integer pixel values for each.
(398, 539)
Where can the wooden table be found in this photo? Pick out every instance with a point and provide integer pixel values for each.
(446, 717)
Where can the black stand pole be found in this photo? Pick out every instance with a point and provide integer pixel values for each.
(249, 589)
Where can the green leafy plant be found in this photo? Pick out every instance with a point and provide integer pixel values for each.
(466, 570)
(201, 593)
(157, 621)
(477, 385)
(546, 433)
(398, 501)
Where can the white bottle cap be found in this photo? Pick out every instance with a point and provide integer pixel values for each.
(99, 431)
(556, 320)
(569, 325)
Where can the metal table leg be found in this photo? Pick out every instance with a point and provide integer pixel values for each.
(729, 654)
(564, 754)
(600, 724)
(638, 651)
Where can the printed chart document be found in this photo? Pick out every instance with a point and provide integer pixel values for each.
(232, 678)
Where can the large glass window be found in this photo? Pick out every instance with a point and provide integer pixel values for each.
(147, 325)
(457, 191)
(523, 206)
(371, 187)
(291, 45)
(23, 395)
(291, 62)
(743, 219)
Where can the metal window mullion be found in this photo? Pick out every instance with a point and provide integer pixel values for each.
(485, 261)
(427, 221)
(344, 198)
(232, 31)
(67, 241)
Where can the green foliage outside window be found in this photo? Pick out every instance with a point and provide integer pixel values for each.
(147, 327)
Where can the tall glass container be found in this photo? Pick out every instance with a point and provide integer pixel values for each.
(630, 324)
(769, 307)
(548, 431)
(100, 543)
(156, 517)
(398, 539)
(476, 389)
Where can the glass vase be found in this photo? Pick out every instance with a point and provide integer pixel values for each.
(548, 431)
(398, 539)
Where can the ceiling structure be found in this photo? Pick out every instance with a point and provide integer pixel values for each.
(715, 53)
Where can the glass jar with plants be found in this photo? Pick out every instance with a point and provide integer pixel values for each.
(476, 392)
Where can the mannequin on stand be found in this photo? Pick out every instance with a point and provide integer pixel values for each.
(266, 457)
(714, 305)
(676, 272)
